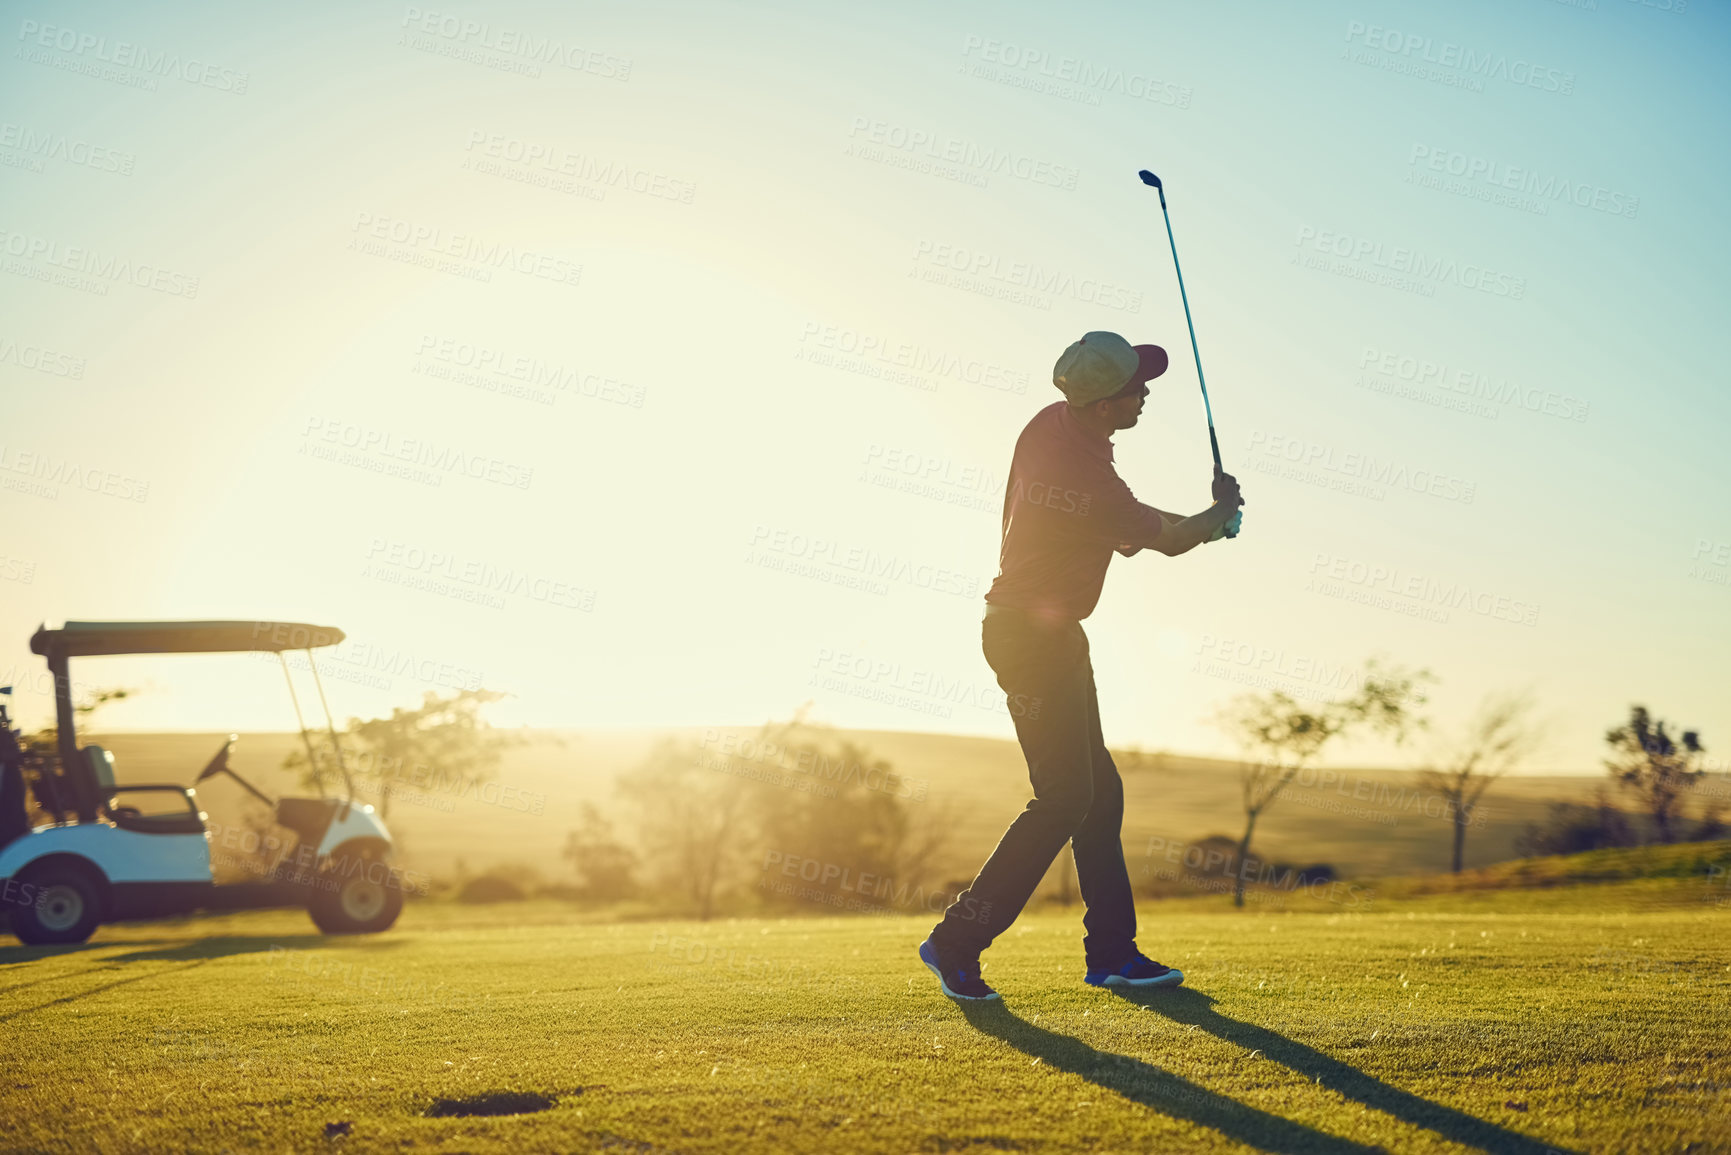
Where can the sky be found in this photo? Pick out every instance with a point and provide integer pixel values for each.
(660, 363)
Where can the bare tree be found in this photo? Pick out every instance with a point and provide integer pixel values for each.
(1286, 736)
(1497, 738)
(690, 821)
(606, 868)
(1658, 770)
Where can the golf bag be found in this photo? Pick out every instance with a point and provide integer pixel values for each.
(14, 812)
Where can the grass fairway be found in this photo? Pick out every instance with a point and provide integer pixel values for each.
(1589, 1018)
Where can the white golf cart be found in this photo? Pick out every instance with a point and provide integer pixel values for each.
(101, 861)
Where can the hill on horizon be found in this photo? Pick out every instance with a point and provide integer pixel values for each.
(1363, 821)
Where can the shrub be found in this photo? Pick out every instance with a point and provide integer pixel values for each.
(490, 888)
(1213, 857)
(1572, 828)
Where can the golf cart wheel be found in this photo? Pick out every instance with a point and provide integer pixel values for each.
(362, 902)
(65, 906)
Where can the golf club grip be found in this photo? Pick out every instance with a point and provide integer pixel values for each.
(1214, 444)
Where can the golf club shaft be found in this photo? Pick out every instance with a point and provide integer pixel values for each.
(1213, 441)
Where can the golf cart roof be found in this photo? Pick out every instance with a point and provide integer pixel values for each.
(77, 639)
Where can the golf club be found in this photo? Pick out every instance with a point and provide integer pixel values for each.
(1153, 181)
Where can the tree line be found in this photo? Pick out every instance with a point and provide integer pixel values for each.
(1657, 771)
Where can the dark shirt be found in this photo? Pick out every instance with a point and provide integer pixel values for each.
(1065, 511)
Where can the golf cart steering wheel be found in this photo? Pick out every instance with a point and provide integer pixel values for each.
(219, 763)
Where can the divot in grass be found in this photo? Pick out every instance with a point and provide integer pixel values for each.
(491, 1103)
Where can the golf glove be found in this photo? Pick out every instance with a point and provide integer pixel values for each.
(1230, 528)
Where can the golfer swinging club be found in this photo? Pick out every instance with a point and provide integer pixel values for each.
(1065, 511)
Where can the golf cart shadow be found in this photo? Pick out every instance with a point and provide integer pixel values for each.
(15, 955)
(1195, 1009)
(230, 945)
(187, 950)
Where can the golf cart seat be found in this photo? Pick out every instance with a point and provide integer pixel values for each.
(94, 779)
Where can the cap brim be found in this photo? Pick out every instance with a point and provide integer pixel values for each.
(1151, 362)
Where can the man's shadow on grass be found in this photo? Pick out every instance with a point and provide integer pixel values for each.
(1179, 1098)
(1152, 1087)
(1193, 1008)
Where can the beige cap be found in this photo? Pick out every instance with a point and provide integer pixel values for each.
(1102, 364)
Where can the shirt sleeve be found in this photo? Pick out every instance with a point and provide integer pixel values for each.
(1117, 517)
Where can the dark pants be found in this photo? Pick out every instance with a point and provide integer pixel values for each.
(1078, 797)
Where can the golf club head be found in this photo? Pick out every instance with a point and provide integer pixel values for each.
(1149, 179)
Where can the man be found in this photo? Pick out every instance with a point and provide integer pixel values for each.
(1065, 511)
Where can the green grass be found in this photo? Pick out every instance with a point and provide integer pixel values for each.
(1698, 860)
(1570, 1019)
